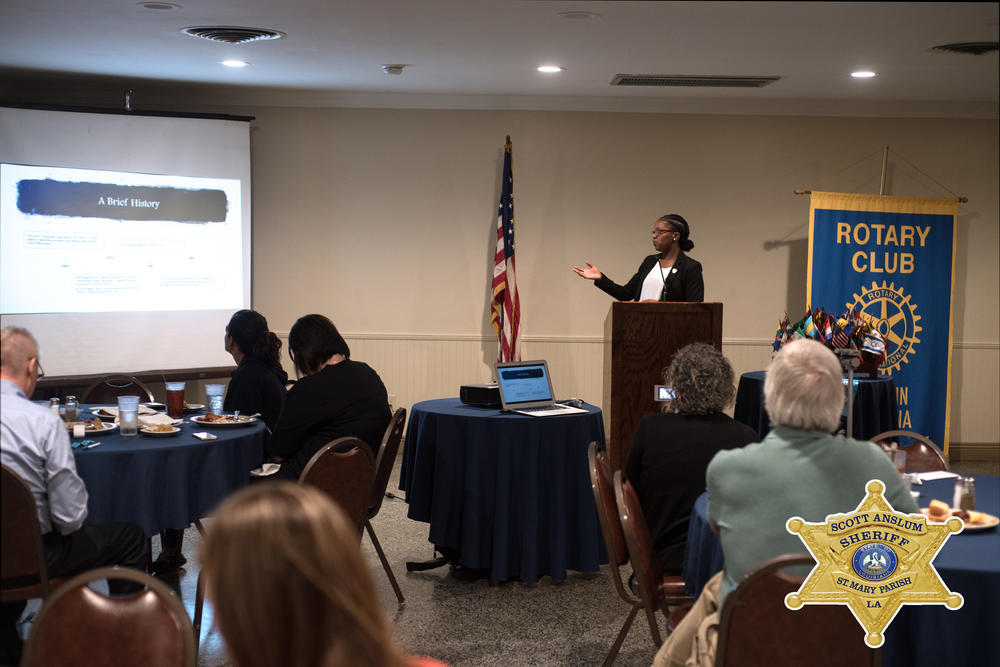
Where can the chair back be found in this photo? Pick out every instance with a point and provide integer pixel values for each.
(110, 387)
(607, 508)
(23, 571)
(386, 459)
(343, 470)
(921, 456)
(755, 627)
(79, 625)
(645, 564)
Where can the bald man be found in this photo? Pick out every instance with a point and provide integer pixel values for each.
(34, 443)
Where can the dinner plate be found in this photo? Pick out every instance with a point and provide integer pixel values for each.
(160, 434)
(989, 522)
(108, 427)
(103, 413)
(159, 407)
(242, 421)
(193, 407)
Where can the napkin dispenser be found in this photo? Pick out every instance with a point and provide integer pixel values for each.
(480, 395)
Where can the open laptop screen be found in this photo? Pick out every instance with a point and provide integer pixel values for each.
(524, 384)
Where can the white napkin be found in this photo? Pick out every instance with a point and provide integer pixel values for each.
(935, 474)
(157, 418)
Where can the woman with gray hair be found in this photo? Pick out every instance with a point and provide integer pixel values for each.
(671, 450)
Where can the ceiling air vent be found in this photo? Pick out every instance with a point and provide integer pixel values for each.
(692, 81)
(231, 34)
(973, 48)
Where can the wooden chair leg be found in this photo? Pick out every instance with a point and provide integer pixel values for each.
(613, 653)
(654, 629)
(385, 563)
(199, 605)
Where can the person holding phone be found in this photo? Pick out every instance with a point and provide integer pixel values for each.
(671, 450)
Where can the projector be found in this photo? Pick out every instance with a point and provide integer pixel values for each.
(480, 395)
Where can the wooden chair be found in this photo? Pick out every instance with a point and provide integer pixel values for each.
(23, 572)
(921, 456)
(383, 470)
(656, 591)
(109, 388)
(78, 625)
(343, 470)
(756, 629)
(614, 539)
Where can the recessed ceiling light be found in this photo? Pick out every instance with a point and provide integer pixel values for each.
(864, 74)
(162, 6)
(235, 63)
(580, 15)
(549, 69)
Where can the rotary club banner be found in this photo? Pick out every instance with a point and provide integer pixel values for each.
(892, 260)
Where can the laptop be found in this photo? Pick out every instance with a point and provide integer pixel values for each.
(525, 387)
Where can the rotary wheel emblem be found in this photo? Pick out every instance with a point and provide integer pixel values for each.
(892, 314)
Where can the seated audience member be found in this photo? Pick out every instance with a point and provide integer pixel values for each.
(289, 584)
(799, 469)
(257, 385)
(35, 444)
(335, 397)
(671, 450)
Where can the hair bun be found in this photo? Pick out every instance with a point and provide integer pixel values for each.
(686, 244)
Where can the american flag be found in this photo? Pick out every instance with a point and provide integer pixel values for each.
(506, 304)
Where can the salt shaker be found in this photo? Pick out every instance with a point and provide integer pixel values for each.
(956, 499)
(54, 405)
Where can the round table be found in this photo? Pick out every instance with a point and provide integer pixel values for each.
(875, 407)
(166, 482)
(508, 493)
(919, 636)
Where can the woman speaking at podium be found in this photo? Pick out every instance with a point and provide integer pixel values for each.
(667, 275)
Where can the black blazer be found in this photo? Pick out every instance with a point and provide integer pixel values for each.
(684, 281)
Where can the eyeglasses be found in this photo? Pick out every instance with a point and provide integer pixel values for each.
(658, 232)
(38, 365)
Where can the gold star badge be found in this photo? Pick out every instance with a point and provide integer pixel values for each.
(874, 560)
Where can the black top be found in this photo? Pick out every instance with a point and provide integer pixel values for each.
(666, 465)
(345, 399)
(683, 282)
(257, 387)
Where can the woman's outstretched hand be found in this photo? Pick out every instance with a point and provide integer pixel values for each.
(590, 273)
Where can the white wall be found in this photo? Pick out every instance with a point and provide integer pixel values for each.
(384, 220)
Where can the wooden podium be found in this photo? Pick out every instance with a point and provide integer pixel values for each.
(639, 341)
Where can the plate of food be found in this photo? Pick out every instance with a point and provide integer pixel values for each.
(159, 430)
(193, 407)
(222, 421)
(93, 426)
(111, 411)
(974, 521)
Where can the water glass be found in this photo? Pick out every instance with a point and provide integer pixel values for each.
(899, 460)
(128, 415)
(214, 394)
(175, 400)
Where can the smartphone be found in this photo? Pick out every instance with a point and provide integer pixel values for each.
(662, 392)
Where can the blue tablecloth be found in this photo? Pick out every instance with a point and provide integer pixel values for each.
(511, 493)
(919, 636)
(162, 483)
(875, 407)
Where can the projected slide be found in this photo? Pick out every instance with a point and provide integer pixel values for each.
(81, 240)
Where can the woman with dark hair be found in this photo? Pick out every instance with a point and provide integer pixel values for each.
(258, 383)
(666, 275)
(335, 397)
(671, 450)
